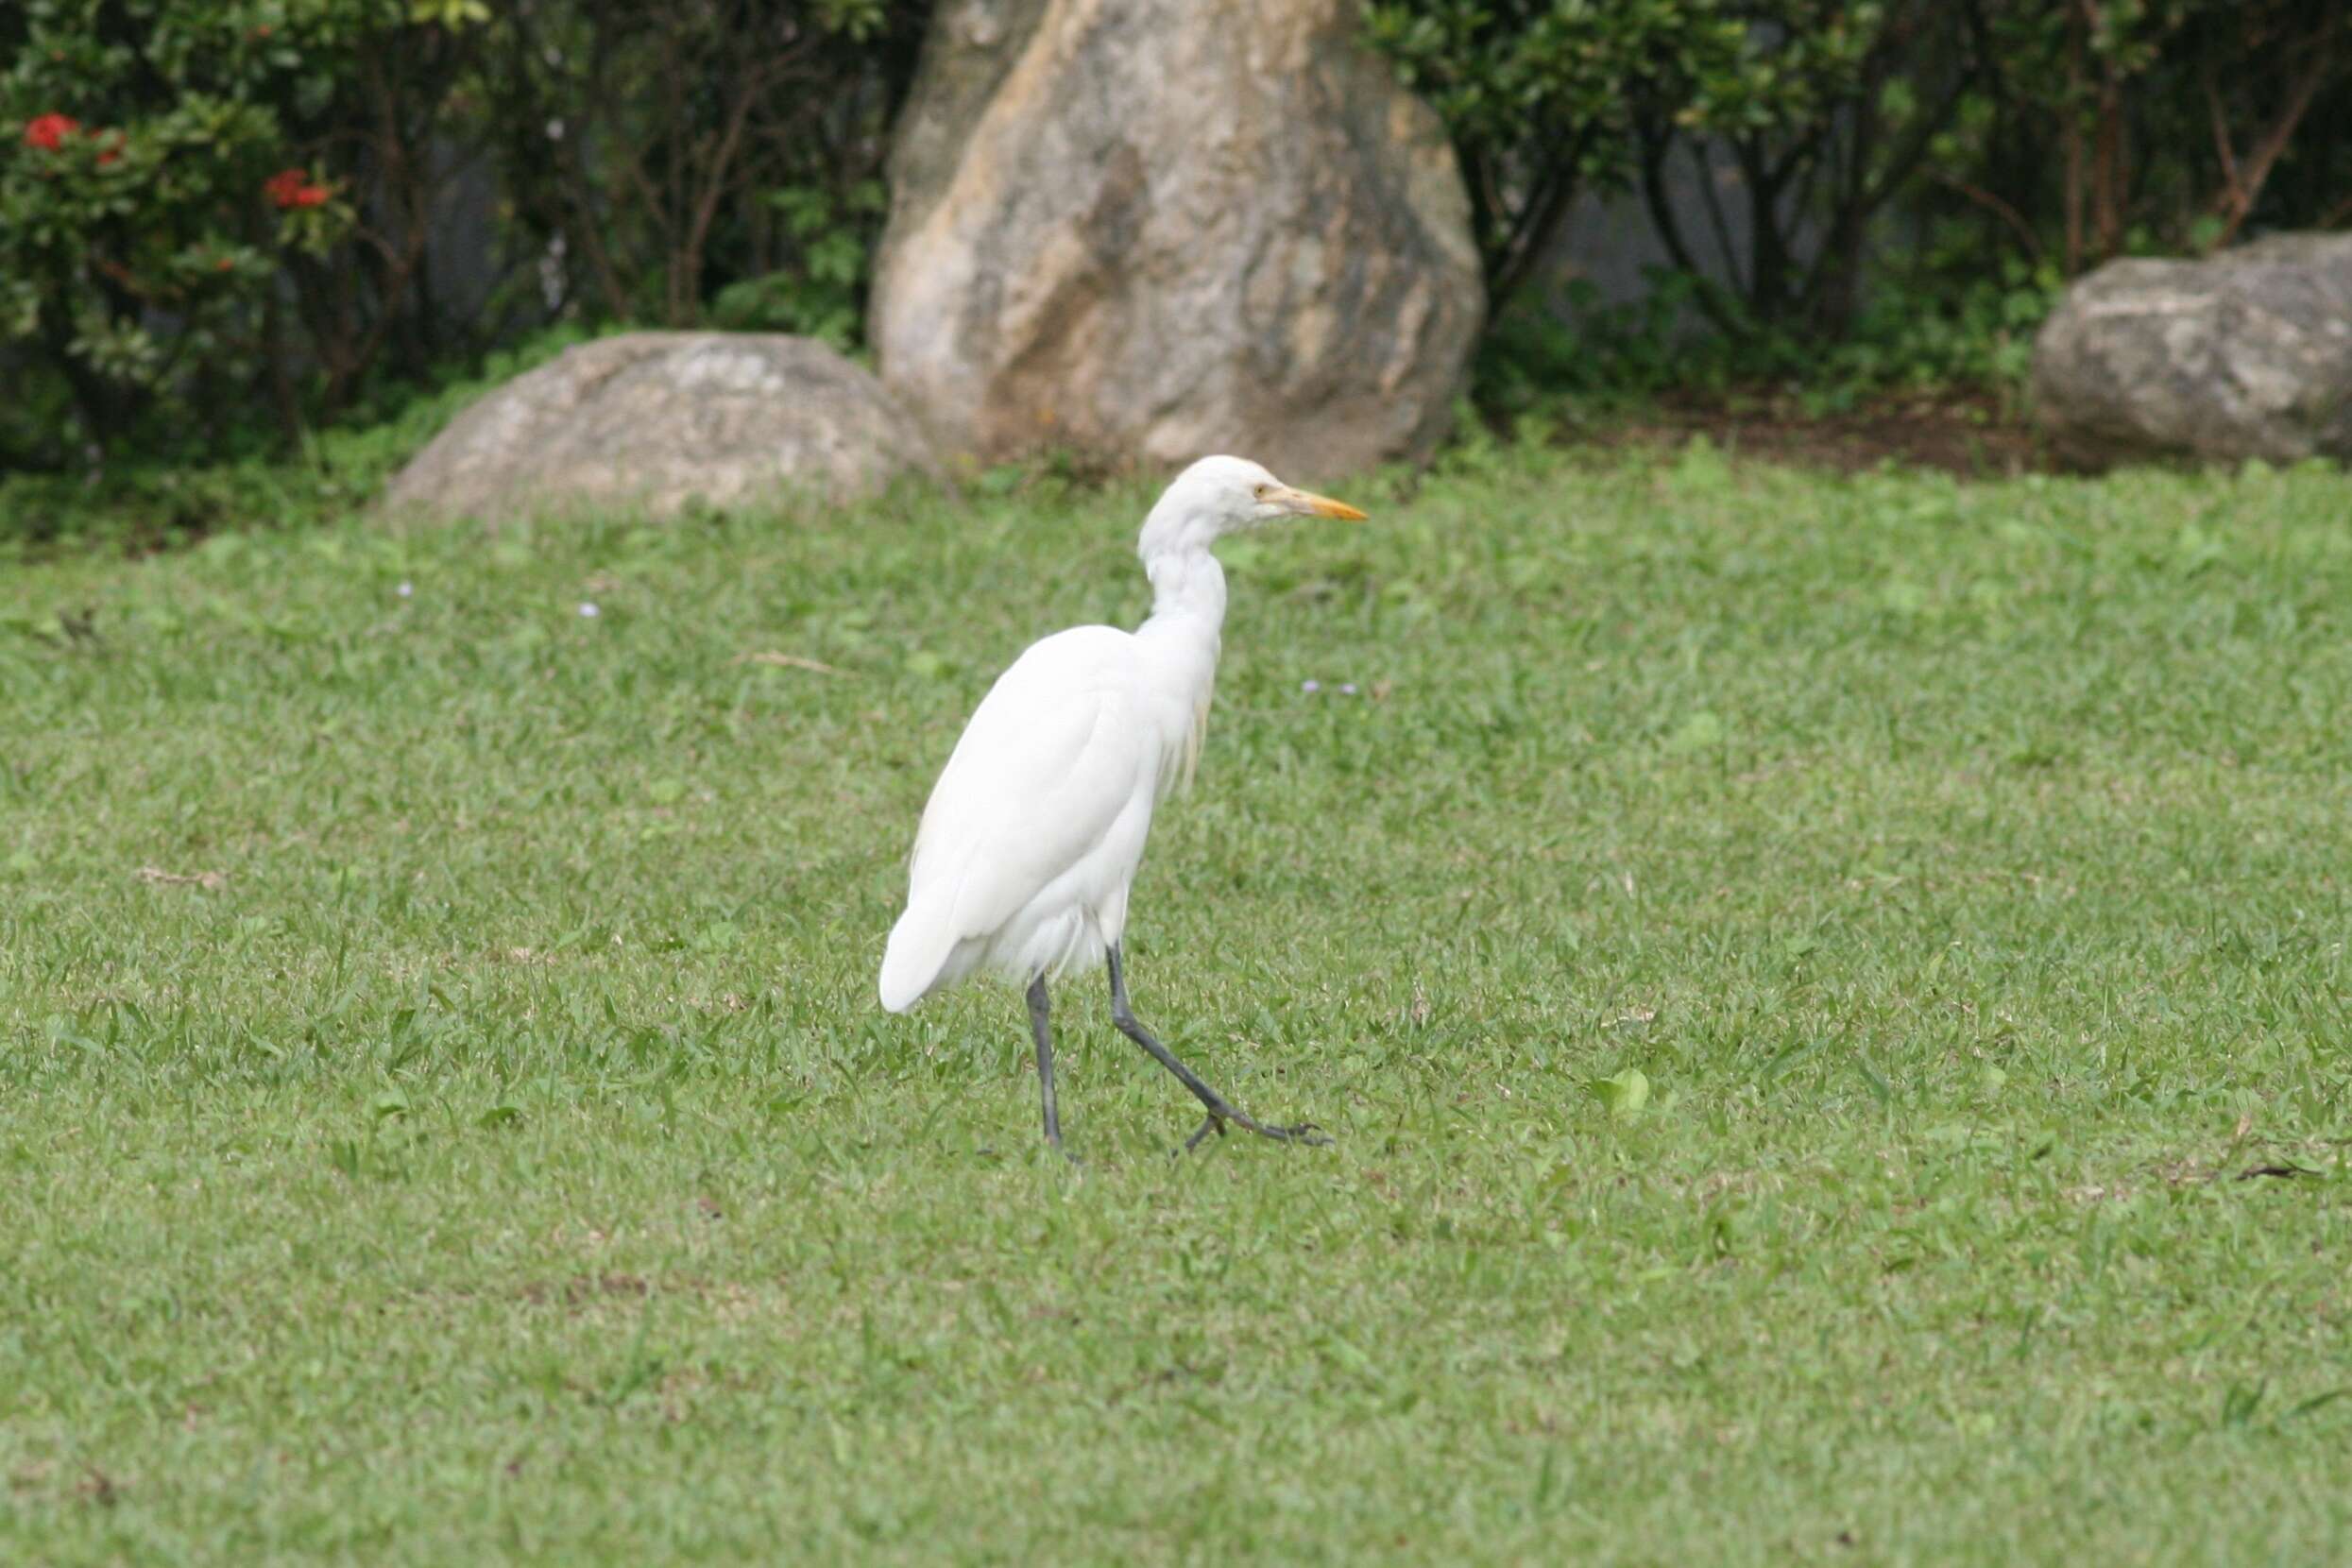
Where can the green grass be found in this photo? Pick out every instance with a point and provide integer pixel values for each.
(507, 1159)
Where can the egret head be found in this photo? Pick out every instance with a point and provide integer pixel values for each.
(1219, 495)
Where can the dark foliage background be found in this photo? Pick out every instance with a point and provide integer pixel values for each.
(228, 223)
(1885, 182)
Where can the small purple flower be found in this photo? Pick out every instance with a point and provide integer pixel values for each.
(588, 612)
(405, 589)
(1347, 689)
(1310, 687)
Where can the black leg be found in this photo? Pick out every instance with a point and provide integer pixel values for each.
(1220, 1109)
(1040, 1006)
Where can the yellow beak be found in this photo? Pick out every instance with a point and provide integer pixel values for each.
(1308, 503)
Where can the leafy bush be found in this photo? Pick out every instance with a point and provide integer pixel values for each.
(657, 155)
(1908, 336)
(2003, 134)
(2114, 125)
(1826, 111)
(1535, 94)
(823, 297)
(155, 189)
(245, 223)
(209, 207)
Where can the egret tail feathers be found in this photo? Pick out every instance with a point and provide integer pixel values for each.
(920, 946)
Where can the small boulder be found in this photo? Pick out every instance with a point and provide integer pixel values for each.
(1150, 230)
(2245, 354)
(651, 420)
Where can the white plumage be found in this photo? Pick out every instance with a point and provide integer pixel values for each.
(1034, 830)
(1032, 834)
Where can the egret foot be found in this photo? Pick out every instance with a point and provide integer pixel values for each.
(1220, 1109)
(1304, 1132)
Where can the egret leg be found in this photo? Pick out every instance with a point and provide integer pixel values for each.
(1220, 1109)
(1039, 1008)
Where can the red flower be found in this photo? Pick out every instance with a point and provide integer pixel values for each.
(293, 188)
(48, 132)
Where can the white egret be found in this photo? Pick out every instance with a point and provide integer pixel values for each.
(1032, 834)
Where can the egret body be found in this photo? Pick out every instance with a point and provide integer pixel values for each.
(1031, 836)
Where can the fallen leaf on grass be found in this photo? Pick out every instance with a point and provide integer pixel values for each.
(1625, 1095)
(211, 881)
(790, 661)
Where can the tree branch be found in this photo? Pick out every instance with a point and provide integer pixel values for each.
(1999, 209)
(2240, 196)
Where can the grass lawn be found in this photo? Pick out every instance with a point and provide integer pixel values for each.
(1800, 970)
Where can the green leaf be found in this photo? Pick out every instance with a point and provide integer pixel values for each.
(1622, 1095)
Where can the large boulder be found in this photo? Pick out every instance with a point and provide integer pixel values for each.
(654, 419)
(2245, 354)
(1147, 230)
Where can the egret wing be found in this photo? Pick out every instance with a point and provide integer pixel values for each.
(1052, 756)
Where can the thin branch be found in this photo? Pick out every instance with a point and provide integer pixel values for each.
(1531, 235)
(2071, 141)
(1713, 205)
(1656, 148)
(2233, 189)
(2273, 145)
(1661, 216)
(1896, 172)
(1999, 209)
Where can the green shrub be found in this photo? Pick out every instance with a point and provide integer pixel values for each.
(2152, 126)
(824, 296)
(222, 221)
(1826, 111)
(1537, 98)
(640, 200)
(2005, 134)
(155, 187)
(1907, 336)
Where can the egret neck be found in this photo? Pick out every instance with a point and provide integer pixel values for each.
(1180, 641)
